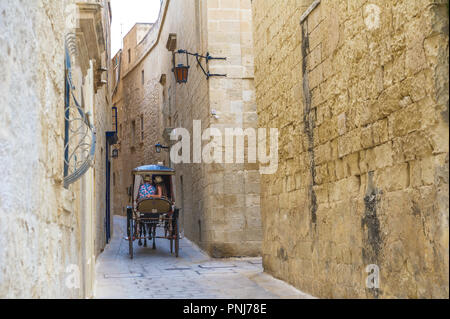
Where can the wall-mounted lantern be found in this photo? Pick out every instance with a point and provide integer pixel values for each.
(181, 71)
(160, 147)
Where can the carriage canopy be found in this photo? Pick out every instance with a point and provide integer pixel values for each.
(153, 170)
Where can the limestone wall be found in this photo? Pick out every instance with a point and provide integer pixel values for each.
(31, 233)
(359, 91)
(44, 245)
(232, 211)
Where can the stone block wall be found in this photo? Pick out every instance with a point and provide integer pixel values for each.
(44, 245)
(232, 212)
(359, 92)
(35, 211)
(120, 182)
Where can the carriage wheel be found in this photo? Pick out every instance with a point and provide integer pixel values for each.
(177, 239)
(131, 232)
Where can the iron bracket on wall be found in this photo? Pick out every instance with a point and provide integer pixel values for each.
(198, 58)
(80, 135)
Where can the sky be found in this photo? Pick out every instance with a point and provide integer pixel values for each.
(126, 13)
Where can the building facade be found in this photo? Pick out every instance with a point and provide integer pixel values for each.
(220, 202)
(55, 113)
(359, 92)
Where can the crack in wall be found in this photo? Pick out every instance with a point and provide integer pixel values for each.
(370, 225)
(309, 120)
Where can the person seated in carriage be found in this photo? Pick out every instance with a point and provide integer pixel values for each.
(161, 190)
(149, 189)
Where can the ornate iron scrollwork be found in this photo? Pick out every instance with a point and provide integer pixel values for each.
(80, 139)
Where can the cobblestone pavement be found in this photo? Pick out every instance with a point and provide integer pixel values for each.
(194, 275)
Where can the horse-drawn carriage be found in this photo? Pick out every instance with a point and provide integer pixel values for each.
(146, 216)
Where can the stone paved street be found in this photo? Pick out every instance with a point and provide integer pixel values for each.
(158, 274)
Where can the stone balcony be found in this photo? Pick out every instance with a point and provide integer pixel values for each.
(91, 40)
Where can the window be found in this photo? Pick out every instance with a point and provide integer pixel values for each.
(142, 128)
(133, 132)
(114, 179)
(129, 55)
(143, 77)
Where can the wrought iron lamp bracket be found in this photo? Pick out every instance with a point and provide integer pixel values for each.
(198, 58)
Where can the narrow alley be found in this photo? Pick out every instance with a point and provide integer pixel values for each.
(282, 149)
(157, 274)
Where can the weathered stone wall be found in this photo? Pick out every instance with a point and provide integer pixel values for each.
(103, 123)
(41, 231)
(232, 219)
(31, 228)
(359, 91)
(220, 202)
(119, 183)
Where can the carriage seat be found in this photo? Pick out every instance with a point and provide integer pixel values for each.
(154, 205)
